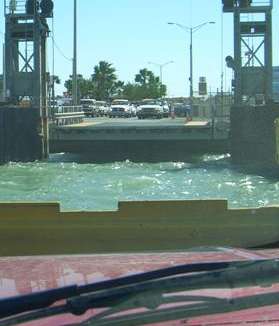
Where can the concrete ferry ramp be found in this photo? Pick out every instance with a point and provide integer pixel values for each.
(134, 122)
(108, 140)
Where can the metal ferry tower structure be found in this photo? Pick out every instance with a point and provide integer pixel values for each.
(24, 115)
(252, 62)
(254, 114)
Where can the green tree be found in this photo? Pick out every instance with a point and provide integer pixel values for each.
(146, 85)
(85, 86)
(150, 84)
(105, 83)
(119, 88)
(133, 92)
(144, 77)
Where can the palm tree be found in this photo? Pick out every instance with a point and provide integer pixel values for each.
(104, 80)
(53, 80)
(143, 77)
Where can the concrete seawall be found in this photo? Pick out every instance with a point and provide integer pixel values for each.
(253, 134)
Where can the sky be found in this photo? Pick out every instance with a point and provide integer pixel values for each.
(131, 33)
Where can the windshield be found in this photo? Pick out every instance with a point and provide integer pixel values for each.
(87, 102)
(151, 102)
(130, 129)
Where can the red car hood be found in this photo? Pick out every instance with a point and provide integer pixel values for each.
(23, 275)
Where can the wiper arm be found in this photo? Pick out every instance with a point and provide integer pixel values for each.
(17, 305)
(260, 273)
(150, 294)
(203, 308)
(20, 304)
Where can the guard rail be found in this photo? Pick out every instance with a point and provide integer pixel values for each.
(67, 115)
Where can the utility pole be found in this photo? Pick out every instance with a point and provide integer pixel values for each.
(74, 90)
(4, 92)
(191, 69)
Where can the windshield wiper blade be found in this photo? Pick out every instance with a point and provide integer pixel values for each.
(19, 304)
(202, 308)
(150, 294)
(24, 303)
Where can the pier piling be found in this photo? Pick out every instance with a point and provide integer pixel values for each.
(20, 138)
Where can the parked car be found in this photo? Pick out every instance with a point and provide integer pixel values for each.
(88, 106)
(120, 109)
(150, 109)
(133, 109)
(181, 110)
(166, 108)
(100, 108)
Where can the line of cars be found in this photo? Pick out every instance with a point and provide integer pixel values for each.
(121, 108)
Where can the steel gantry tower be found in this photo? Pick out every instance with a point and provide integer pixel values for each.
(252, 62)
(25, 57)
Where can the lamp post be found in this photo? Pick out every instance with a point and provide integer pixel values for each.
(161, 66)
(191, 30)
(75, 87)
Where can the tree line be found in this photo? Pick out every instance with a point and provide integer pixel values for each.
(105, 85)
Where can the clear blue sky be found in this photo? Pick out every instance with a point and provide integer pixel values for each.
(130, 33)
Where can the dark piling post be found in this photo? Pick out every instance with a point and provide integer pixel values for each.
(20, 139)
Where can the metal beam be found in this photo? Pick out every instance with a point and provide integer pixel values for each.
(244, 78)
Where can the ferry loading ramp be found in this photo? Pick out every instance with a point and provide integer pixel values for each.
(107, 140)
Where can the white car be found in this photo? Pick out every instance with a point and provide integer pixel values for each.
(150, 109)
(120, 109)
(101, 108)
(166, 108)
(88, 106)
(133, 110)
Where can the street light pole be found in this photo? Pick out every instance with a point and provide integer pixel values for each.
(4, 92)
(74, 86)
(191, 68)
(161, 66)
(191, 30)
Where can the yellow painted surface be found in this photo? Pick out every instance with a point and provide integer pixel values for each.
(197, 123)
(38, 229)
(85, 124)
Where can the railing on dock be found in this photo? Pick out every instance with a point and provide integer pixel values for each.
(67, 115)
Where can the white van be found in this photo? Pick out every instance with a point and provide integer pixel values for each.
(88, 106)
(120, 109)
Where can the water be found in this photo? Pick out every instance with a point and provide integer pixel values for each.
(100, 187)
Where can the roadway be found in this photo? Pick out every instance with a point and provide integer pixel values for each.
(105, 122)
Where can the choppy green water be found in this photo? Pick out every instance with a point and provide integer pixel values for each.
(100, 187)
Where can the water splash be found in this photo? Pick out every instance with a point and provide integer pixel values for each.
(101, 186)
